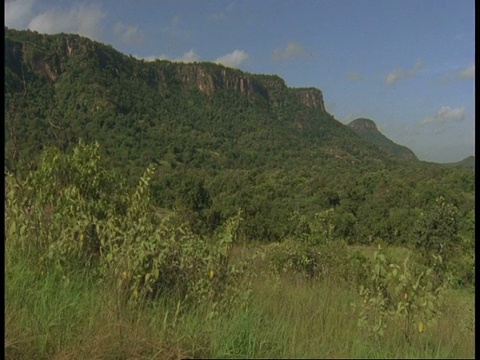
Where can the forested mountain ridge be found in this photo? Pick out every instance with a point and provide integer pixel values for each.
(91, 79)
(367, 129)
(221, 139)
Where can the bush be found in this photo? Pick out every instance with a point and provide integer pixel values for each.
(72, 214)
(401, 295)
(436, 231)
(330, 260)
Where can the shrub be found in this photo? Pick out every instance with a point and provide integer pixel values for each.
(313, 251)
(436, 231)
(330, 260)
(72, 214)
(400, 295)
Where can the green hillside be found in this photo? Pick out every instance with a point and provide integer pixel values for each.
(468, 162)
(221, 140)
(367, 129)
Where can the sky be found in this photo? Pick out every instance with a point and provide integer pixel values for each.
(408, 65)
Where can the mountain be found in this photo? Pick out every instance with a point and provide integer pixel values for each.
(468, 162)
(60, 88)
(367, 129)
(221, 139)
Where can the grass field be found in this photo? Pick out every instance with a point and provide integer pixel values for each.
(50, 316)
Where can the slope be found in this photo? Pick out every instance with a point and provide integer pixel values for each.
(221, 139)
(367, 129)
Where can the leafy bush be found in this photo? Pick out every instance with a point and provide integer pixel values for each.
(53, 213)
(330, 260)
(313, 251)
(400, 295)
(72, 214)
(462, 270)
(437, 231)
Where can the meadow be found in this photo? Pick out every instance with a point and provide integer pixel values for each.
(51, 317)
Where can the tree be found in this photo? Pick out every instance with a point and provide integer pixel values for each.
(436, 230)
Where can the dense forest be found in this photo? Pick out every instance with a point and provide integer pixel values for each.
(186, 210)
(222, 140)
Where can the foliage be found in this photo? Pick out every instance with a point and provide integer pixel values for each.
(313, 252)
(401, 295)
(54, 211)
(437, 232)
(284, 319)
(217, 148)
(73, 214)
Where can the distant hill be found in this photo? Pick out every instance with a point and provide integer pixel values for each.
(468, 162)
(367, 129)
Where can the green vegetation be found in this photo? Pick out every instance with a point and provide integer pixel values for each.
(162, 210)
(367, 129)
(220, 139)
(88, 275)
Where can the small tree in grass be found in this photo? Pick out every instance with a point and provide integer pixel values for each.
(437, 236)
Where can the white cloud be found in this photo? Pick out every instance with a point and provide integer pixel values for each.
(468, 73)
(465, 74)
(443, 117)
(233, 59)
(399, 74)
(189, 56)
(18, 13)
(291, 51)
(83, 19)
(129, 34)
(150, 58)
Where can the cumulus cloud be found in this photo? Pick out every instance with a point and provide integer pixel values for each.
(468, 73)
(291, 51)
(150, 58)
(399, 74)
(83, 19)
(443, 117)
(18, 13)
(189, 56)
(129, 34)
(233, 59)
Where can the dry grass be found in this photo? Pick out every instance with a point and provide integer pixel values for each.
(288, 317)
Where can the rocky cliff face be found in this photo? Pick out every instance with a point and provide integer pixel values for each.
(52, 55)
(311, 97)
(27, 58)
(61, 61)
(212, 78)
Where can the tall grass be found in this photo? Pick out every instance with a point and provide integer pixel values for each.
(50, 316)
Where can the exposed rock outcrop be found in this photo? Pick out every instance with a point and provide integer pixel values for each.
(311, 97)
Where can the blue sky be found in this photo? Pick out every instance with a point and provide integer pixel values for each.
(409, 65)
